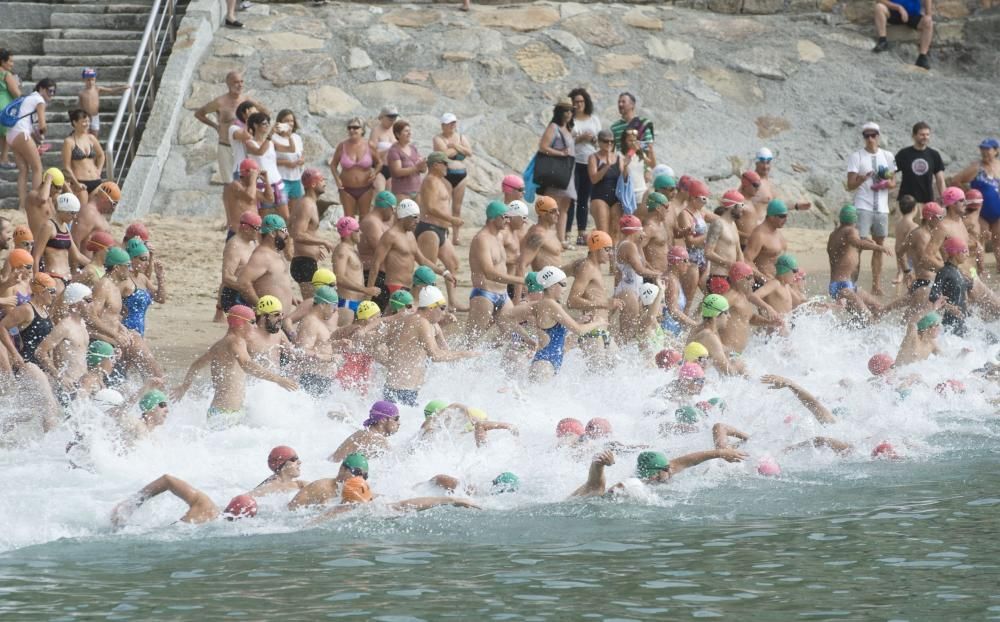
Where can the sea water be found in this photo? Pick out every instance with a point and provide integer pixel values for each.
(846, 538)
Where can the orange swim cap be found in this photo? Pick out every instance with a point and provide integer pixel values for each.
(19, 258)
(23, 234)
(544, 204)
(356, 490)
(42, 280)
(598, 240)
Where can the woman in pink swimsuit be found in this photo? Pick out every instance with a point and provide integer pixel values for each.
(354, 166)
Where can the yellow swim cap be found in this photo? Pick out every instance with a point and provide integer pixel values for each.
(477, 415)
(694, 351)
(367, 309)
(58, 179)
(268, 304)
(323, 276)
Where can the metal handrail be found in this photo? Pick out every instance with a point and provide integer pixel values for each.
(157, 39)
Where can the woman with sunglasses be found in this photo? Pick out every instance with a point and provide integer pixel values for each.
(82, 157)
(354, 166)
(692, 228)
(604, 167)
(557, 141)
(135, 286)
(260, 148)
(22, 137)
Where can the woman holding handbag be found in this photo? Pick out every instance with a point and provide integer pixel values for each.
(555, 161)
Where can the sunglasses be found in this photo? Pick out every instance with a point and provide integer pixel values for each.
(353, 127)
(52, 91)
(755, 185)
(27, 267)
(162, 405)
(605, 140)
(142, 258)
(782, 216)
(357, 472)
(88, 299)
(870, 135)
(390, 116)
(51, 291)
(765, 160)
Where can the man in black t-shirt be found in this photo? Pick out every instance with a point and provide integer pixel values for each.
(921, 167)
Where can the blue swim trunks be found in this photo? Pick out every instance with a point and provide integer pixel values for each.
(350, 304)
(836, 286)
(498, 300)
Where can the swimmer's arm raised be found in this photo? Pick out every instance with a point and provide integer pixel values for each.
(721, 433)
(596, 483)
(808, 400)
(693, 459)
(482, 427)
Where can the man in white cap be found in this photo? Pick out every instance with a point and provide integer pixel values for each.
(411, 342)
(63, 353)
(397, 252)
(870, 176)
(513, 235)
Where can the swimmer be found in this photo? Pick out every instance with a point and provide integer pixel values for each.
(286, 467)
(235, 255)
(780, 292)
(920, 341)
(659, 224)
(813, 405)
(154, 410)
(364, 345)
(722, 242)
(541, 245)
(62, 354)
(303, 228)
(266, 342)
(552, 319)
(314, 351)
(459, 418)
(766, 242)
(350, 272)
(101, 360)
(436, 218)
(843, 247)
(951, 286)
(505, 482)
(201, 508)
(513, 237)
(715, 315)
(398, 254)
(373, 440)
(95, 213)
(589, 295)
(322, 491)
(631, 274)
(266, 271)
(569, 431)
(373, 226)
(488, 301)
(356, 493)
(746, 309)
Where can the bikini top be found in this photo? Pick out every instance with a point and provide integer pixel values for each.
(61, 240)
(78, 154)
(346, 162)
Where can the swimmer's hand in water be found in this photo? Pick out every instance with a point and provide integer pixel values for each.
(777, 382)
(286, 383)
(732, 455)
(123, 511)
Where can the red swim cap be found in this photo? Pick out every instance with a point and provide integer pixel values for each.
(739, 271)
(677, 254)
(248, 165)
(665, 359)
(684, 182)
(974, 196)
(628, 222)
(99, 240)
(880, 363)
(752, 177)
(597, 427)
(732, 197)
(718, 285)
(239, 314)
(279, 456)
(569, 427)
(955, 386)
(931, 210)
(136, 230)
(885, 450)
(697, 188)
(250, 219)
(241, 506)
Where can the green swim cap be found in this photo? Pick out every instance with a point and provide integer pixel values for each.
(718, 402)
(929, 320)
(135, 248)
(777, 207)
(713, 305)
(840, 411)
(664, 181)
(356, 461)
(505, 482)
(423, 275)
(656, 199)
(151, 400)
(649, 463)
(433, 407)
(785, 264)
(98, 351)
(385, 199)
(272, 223)
(400, 298)
(325, 295)
(116, 257)
(495, 209)
(848, 214)
(531, 280)
(687, 414)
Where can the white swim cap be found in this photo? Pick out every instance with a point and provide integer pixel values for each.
(550, 275)
(106, 399)
(764, 154)
(407, 208)
(648, 293)
(67, 203)
(663, 169)
(517, 207)
(75, 292)
(431, 296)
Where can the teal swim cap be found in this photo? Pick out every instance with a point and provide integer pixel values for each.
(423, 275)
(505, 482)
(848, 214)
(98, 351)
(531, 280)
(400, 298)
(495, 209)
(356, 461)
(713, 305)
(385, 199)
(649, 463)
(116, 257)
(135, 248)
(785, 264)
(718, 402)
(664, 181)
(325, 295)
(777, 207)
(929, 320)
(687, 414)
(272, 223)
(433, 407)
(151, 400)
(655, 199)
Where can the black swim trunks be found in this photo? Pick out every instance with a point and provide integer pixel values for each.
(382, 300)
(303, 269)
(441, 232)
(918, 283)
(229, 297)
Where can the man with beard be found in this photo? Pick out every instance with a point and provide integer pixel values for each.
(267, 268)
(722, 244)
(267, 344)
(310, 248)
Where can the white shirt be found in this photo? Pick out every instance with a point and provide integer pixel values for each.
(584, 150)
(637, 173)
(268, 162)
(289, 173)
(27, 111)
(239, 151)
(863, 162)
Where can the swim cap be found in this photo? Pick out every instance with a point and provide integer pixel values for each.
(323, 276)
(239, 314)
(767, 467)
(23, 234)
(76, 292)
(665, 359)
(569, 427)
(598, 427)
(99, 240)
(550, 275)
(311, 177)
(629, 223)
(424, 275)
(505, 482)
(739, 271)
(138, 230)
(68, 203)
(531, 280)
(325, 295)
(517, 207)
(58, 179)
(885, 450)
(272, 223)
(785, 264)
(99, 350)
(717, 402)
(43, 281)
(356, 461)
(19, 258)
(279, 456)
(268, 304)
(367, 310)
(544, 204)
(356, 490)
(400, 298)
(106, 399)
(655, 199)
(777, 207)
(511, 182)
(437, 157)
(698, 189)
(598, 240)
(690, 371)
(732, 198)
(346, 226)
(385, 199)
(135, 248)
(764, 154)
(752, 177)
(694, 351)
(954, 246)
(88, 72)
(713, 305)
(952, 195)
(241, 506)
(974, 197)
(495, 209)
(478, 414)
(152, 400)
(848, 214)
(648, 293)
(380, 411)
(433, 407)
(407, 208)
(661, 182)
(880, 363)
(111, 189)
(955, 386)
(649, 463)
(931, 210)
(431, 297)
(116, 257)
(248, 165)
(928, 321)
(662, 169)
(687, 414)
(718, 285)
(676, 255)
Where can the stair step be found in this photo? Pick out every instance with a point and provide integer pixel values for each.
(68, 101)
(79, 60)
(117, 73)
(89, 47)
(26, 40)
(129, 21)
(96, 34)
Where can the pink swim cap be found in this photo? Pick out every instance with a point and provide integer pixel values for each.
(628, 222)
(691, 371)
(955, 386)
(974, 197)
(931, 210)
(954, 246)
(511, 182)
(569, 427)
(885, 450)
(740, 270)
(597, 427)
(665, 359)
(346, 226)
(880, 363)
(952, 195)
(677, 254)
(136, 230)
(768, 467)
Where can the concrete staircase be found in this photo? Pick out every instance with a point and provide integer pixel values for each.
(57, 39)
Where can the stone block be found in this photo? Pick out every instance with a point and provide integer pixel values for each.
(358, 59)
(329, 100)
(762, 7)
(809, 52)
(642, 18)
(567, 41)
(669, 50)
(725, 6)
(285, 69)
(618, 63)
(596, 28)
(289, 41)
(951, 9)
(540, 63)
(412, 18)
(524, 19)
(377, 94)
(455, 83)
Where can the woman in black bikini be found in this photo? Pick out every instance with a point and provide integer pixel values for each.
(83, 157)
(55, 252)
(456, 146)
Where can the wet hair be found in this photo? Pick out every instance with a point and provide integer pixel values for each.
(399, 126)
(588, 103)
(45, 84)
(920, 125)
(5, 55)
(627, 94)
(256, 119)
(358, 121)
(284, 113)
(557, 116)
(76, 114)
(907, 203)
(243, 108)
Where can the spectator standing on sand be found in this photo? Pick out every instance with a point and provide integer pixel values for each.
(921, 167)
(586, 126)
(870, 176)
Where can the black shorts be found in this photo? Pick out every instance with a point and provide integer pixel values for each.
(913, 20)
(441, 232)
(91, 184)
(918, 283)
(386, 172)
(455, 177)
(229, 297)
(316, 386)
(303, 269)
(382, 300)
